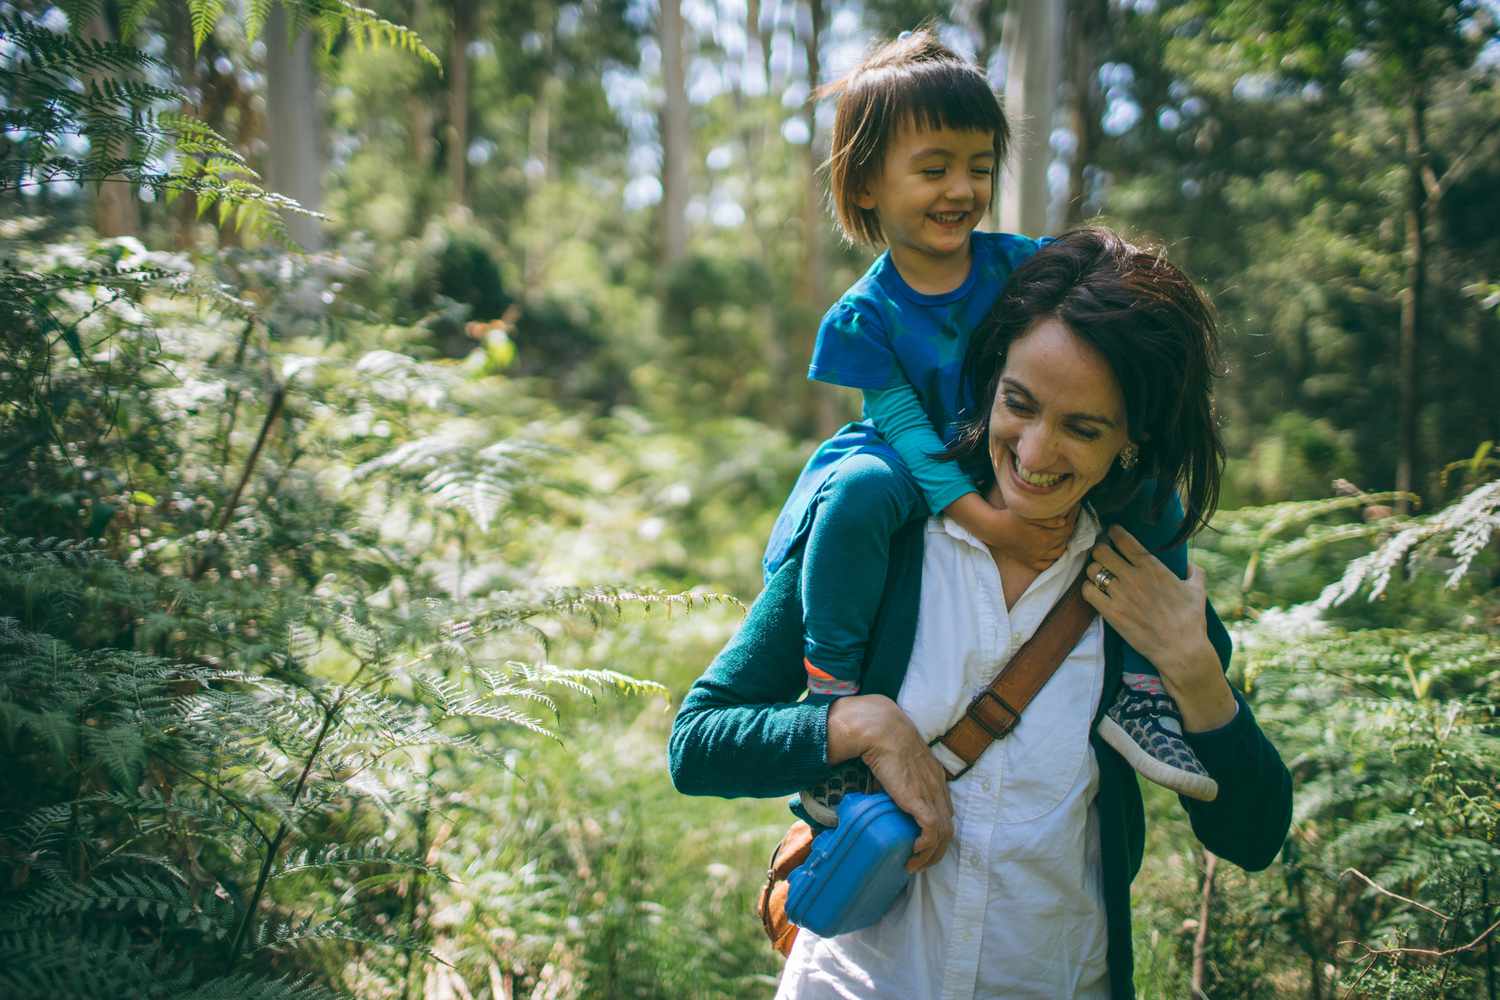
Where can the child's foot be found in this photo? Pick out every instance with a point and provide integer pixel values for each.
(1143, 726)
(821, 801)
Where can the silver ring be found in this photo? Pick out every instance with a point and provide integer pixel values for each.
(1103, 579)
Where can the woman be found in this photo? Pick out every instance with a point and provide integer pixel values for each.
(1094, 374)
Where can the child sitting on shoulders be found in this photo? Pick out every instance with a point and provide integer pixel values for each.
(918, 138)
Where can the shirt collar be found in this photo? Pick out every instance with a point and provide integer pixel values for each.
(1085, 531)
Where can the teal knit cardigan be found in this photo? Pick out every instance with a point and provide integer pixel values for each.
(742, 731)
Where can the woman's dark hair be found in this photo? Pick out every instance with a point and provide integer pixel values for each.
(1158, 334)
(913, 80)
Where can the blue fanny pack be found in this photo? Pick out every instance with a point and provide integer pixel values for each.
(855, 870)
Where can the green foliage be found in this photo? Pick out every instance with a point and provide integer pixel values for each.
(60, 88)
(1270, 152)
(1384, 709)
(230, 681)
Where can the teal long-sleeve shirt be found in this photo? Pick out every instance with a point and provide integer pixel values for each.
(898, 415)
(742, 732)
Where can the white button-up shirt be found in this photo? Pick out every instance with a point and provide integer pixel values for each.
(1015, 909)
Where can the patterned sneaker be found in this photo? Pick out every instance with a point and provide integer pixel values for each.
(821, 801)
(1143, 726)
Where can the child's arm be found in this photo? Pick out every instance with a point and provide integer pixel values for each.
(898, 415)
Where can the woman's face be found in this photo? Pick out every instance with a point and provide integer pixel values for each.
(1057, 422)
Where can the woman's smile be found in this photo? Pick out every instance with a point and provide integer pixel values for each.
(1037, 482)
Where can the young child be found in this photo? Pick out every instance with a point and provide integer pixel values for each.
(917, 139)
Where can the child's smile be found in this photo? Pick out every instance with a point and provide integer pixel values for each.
(932, 190)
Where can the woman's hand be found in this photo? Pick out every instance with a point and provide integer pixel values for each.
(873, 728)
(1163, 619)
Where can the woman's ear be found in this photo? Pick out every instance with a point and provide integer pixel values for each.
(865, 200)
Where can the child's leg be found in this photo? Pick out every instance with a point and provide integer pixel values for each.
(844, 566)
(1143, 723)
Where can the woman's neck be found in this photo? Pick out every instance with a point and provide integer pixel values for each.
(1015, 576)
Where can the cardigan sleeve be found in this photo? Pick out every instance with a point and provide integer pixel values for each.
(740, 730)
(1248, 822)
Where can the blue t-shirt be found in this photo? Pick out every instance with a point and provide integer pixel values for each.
(882, 333)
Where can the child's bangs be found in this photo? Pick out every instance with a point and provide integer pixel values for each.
(953, 96)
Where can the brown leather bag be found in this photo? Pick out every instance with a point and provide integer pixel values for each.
(770, 905)
(992, 714)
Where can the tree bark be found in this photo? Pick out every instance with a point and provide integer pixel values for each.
(1413, 298)
(825, 413)
(1086, 20)
(296, 141)
(984, 22)
(674, 134)
(755, 124)
(1033, 44)
(464, 17)
(116, 210)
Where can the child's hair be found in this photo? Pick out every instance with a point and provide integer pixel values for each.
(1159, 336)
(914, 80)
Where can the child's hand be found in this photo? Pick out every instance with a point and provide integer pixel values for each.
(1034, 544)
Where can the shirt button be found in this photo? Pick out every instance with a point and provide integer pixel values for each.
(984, 783)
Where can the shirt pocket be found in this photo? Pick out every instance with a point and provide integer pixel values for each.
(1042, 759)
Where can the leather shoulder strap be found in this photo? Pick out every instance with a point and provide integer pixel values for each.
(995, 711)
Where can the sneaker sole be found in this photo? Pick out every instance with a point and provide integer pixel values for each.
(818, 812)
(1194, 786)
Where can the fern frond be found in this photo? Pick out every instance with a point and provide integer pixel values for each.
(339, 856)
(456, 703)
(121, 749)
(185, 813)
(367, 28)
(81, 964)
(145, 894)
(276, 938)
(80, 12)
(591, 679)
(133, 14)
(257, 12)
(1471, 522)
(204, 15)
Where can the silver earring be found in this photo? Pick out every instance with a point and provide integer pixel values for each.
(1129, 455)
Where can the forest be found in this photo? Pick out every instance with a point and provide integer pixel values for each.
(395, 402)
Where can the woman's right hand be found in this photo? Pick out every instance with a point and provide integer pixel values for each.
(873, 728)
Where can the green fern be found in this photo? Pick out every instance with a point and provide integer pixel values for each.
(341, 856)
(204, 15)
(1466, 526)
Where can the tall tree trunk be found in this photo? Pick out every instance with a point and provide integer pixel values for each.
(1086, 21)
(1413, 297)
(116, 210)
(826, 417)
(674, 134)
(1033, 45)
(751, 111)
(464, 17)
(984, 22)
(296, 141)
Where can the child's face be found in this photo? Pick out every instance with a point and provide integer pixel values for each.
(932, 190)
